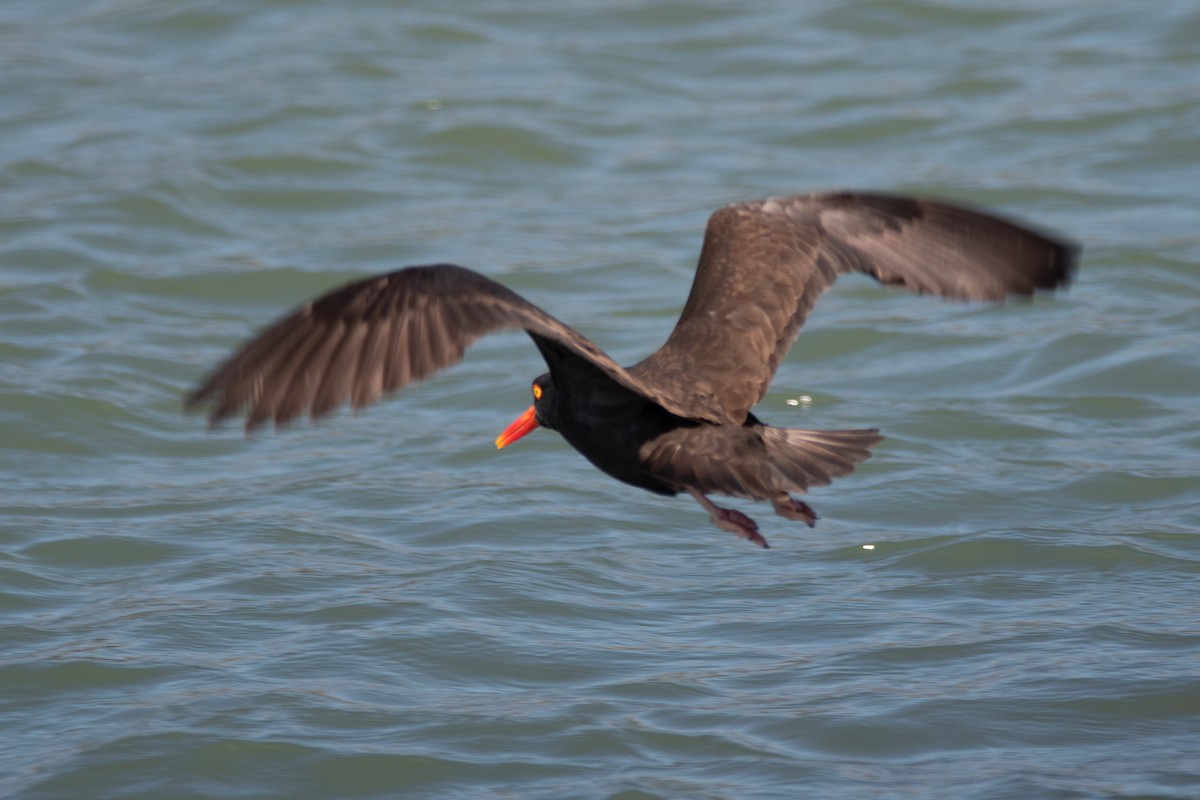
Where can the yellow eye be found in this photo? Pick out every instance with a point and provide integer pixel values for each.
(537, 392)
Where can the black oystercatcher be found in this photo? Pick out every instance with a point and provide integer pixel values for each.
(680, 420)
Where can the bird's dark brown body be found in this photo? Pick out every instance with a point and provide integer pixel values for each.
(680, 420)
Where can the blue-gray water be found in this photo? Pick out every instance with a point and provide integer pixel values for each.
(385, 606)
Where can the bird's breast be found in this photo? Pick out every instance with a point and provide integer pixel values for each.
(613, 435)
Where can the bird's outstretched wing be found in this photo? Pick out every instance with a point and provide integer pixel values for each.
(765, 263)
(375, 336)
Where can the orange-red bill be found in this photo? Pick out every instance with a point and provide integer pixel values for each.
(521, 425)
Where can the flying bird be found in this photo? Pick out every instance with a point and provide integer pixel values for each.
(681, 419)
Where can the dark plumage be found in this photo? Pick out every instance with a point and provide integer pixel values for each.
(680, 419)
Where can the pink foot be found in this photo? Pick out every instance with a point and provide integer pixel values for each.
(789, 508)
(732, 520)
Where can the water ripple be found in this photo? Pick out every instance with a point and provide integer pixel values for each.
(382, 605)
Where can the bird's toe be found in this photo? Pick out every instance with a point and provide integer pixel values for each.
(790, 508)
(737, 523)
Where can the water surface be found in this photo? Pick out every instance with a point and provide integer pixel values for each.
(384, 606)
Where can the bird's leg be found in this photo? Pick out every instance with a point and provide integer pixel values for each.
(789, 508)
(728, 519)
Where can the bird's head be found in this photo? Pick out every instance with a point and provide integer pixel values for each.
(540, 414)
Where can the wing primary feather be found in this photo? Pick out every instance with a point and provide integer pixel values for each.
(334, 387)
(368, 374)
(291, 391)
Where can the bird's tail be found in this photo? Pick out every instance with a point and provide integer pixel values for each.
(814, 458)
